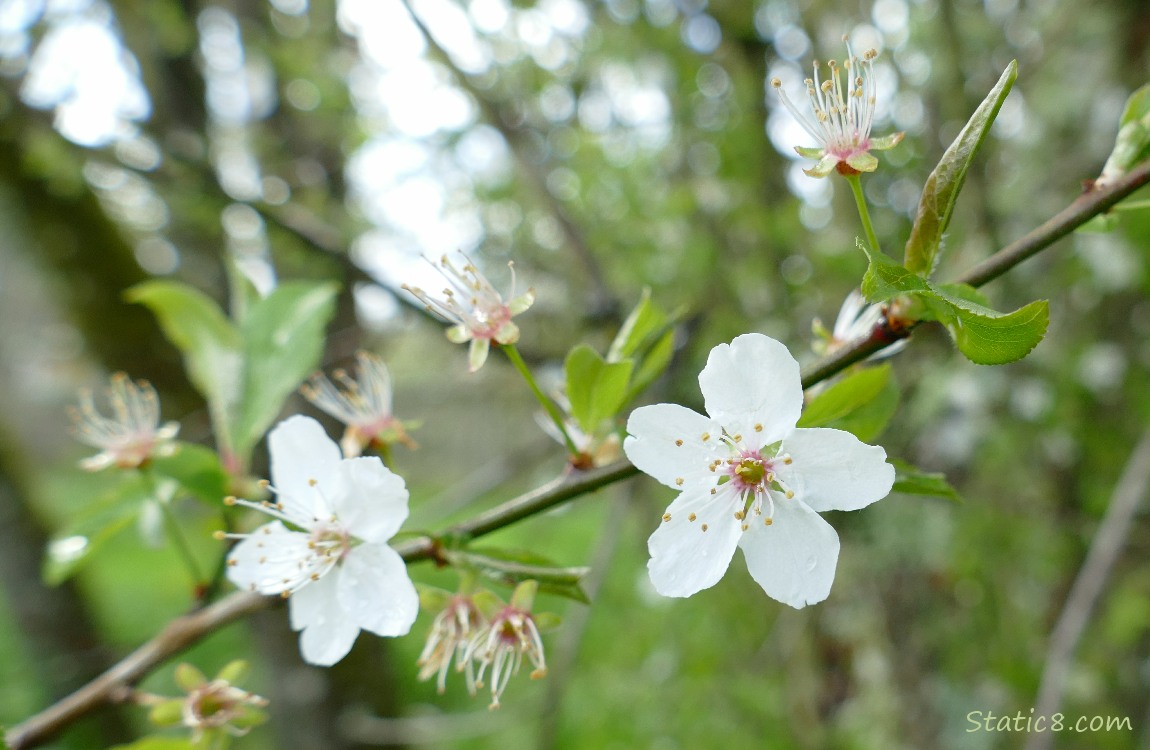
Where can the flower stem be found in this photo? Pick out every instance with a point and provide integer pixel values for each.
(549, 405)
(860, 201)
(172, 526)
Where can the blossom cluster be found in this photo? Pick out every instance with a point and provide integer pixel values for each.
(499, 641)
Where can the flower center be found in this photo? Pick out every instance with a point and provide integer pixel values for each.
(330, 542)
(750, 471)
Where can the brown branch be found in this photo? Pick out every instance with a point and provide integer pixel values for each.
(114, 685)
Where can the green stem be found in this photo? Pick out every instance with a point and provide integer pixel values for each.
(172, 526)
(860, 201)
(549, 405)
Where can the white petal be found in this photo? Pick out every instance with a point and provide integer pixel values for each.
(375, 590)
(328, 631)
(753, 381)
(300, 452)
(477, 354)
(794, 558)
(685, 558)
(369, 499)
(834, 470)
(654, 448)
(268, 561)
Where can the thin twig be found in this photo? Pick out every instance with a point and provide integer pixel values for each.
(1104, 552)
(1085, 207)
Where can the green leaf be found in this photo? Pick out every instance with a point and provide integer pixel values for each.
(845, 397)
(884, 279)
(77, 542)
(197, 469)
(643, 322)
(651, 366)
(943, 185)
(987, 337)
(596, 388)
(983, 335)
(862, 403)
(910, 480)
(511, 567)
(211, 345)
(1132, 144)
(283, 341)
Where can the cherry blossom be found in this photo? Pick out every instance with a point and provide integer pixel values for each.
(749, 478)
(327, 549)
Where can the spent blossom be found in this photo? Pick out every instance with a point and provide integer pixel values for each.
(749, 478)
(209, 706)
(511, 633)
(448, 639)
(856, 320)
(132, 434)
(843, 106)
(363, 404)
(479, 313)
(326, 551)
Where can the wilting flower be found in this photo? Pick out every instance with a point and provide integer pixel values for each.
(216, 705)
(750, 479)
(363, 404)
(856, 320)
(132, 435)
(478, 311)
(501, 644)
(450, 634)
(332, 558)
(843, 107)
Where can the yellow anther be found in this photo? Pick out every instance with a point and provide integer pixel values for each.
(776, 83)
(312, 483)
(285, 594)
(768, 521)
(758, 428)
(679, 443)
(666, 517)
(746, 526)
(263, 559)
(233, 562)
(739, 515)
(703, 527)
(691, 517)
(738, 438)
(678, 481)
(230, 500)
(315, 576)
(706, 436)
(790, 494)
(264, 484)
(714, 490)
(219, 536)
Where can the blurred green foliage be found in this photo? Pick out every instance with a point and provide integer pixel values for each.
(607, 147)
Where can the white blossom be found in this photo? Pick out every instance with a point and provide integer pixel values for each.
(133, 433)
(363, 404)
(749, 478)
(327, 549)
(478, 311)
(843, 107)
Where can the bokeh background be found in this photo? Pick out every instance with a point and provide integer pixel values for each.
(607, 146)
